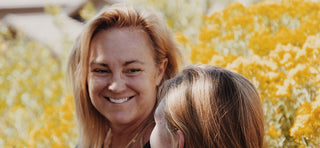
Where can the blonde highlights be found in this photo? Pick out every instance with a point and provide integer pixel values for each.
(93, 126)
(213, 107)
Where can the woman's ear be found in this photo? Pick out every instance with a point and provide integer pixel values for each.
(162, 69)
(181, 139)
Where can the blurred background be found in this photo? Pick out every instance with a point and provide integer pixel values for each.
(273, 43)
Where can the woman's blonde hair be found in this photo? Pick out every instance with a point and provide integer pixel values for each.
(92, 125)
(213, 107)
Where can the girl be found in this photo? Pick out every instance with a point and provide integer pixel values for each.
(208, 106)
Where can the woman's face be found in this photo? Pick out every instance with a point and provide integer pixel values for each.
(122, 75)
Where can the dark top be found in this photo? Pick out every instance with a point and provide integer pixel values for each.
(147, 145)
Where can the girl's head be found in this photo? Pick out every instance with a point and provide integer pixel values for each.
(208, 106)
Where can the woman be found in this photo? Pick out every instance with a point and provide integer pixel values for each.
(207, 106)
(116, 66)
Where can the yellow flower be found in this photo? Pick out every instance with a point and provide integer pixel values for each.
(88, 11)
(208, 32)
(307, 122)
(181, 38)
(53, 10)
(273, 132)
(228, 36)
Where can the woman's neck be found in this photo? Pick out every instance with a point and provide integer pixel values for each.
(120, 139)
(122, 136)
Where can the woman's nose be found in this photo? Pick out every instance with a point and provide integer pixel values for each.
(118, 84)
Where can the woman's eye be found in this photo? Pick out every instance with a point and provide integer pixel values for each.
(133, 71)
(100, 71)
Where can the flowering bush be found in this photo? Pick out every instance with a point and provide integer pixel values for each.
(277, 48)
(34, 109)
(306, 126)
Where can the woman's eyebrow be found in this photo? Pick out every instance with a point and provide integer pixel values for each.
(124, 64)
(132, 61)
(101, 64)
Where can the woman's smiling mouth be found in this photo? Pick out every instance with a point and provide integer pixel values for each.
(119, 101)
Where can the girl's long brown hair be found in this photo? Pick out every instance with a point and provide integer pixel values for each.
(213, 107)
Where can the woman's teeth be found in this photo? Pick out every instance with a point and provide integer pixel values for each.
(118, 101)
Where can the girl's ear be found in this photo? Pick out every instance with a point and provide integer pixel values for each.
(181, 139)
(162, 69)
